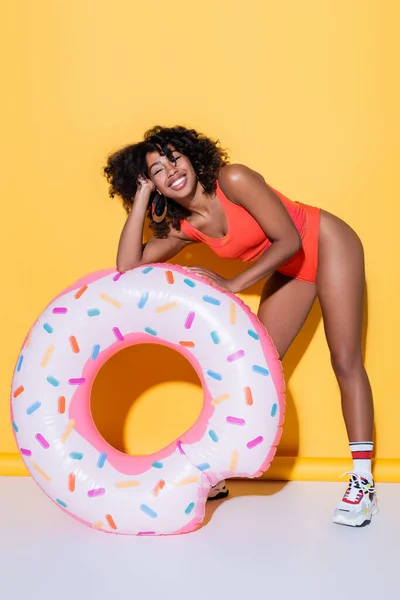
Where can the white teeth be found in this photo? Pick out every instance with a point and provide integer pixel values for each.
(177, 182)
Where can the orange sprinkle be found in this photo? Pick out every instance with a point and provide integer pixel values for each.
(127, 484)
(170, 277)
(187, 480)
(42, 473)
(80, 292)
(220, 399)
(74, 344)
(61, 405)
(107, 298)
(166, 307)
(18, 391)
(98, 525)
(71, 482)
(248, 396)
(234, 460)
(187, 344)
(28, 339)
(67, 431)
(47, 356)
(110, 521)
(233, 313)
(158, 487)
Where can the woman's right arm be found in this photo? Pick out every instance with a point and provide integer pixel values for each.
(131, 251)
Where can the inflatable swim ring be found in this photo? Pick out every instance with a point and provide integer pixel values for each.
(235, 435)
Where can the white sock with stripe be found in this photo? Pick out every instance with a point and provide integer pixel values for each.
(362, 455)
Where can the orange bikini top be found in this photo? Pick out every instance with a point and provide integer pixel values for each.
(245, 239)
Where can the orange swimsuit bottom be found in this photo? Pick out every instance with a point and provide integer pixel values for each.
(246, 241)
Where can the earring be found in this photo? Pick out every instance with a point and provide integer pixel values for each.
(159, 208)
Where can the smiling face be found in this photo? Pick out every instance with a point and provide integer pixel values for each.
(174, 178)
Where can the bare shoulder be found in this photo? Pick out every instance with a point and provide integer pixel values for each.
(232, 177)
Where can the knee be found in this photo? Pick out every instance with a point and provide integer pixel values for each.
(346, 363)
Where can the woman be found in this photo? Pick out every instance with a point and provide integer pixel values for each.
(183, 181)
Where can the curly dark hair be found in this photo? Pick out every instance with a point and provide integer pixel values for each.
(125, 166)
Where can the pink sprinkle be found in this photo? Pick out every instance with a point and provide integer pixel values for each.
(118, 275)
(96, 492)
(256, 442)
(147, 533)
(179, 444)
(189, 320)
(26, 452)
(44, 443)
(60, 310)
(118, 334)
(235, 421)
(235, 356)
(77, 381)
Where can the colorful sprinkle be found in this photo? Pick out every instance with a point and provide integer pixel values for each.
(41, 472)
(76, 455)
(48, 328)
(147, 270)
(111, 301)
(157, 465)
(274, 410)
(47, 356)
(15, 427)
(61, 503)
(127, 484)
(170, 277)
(74, 344)
(81, 291)
(118, 275)
(118, 334)
(248, 396)
(166, 307)
(42, 441)
(220, 399)
(232, 313)
(95, 351)
(26, 452)
(98, 525)
(77, 381)
(253, 334)
(187, 344)
(235, 356)
(189, 320)
(212, 300)
(189, 282)
(102, 460)
(256, 442)
(20, 361)
(180, 448)
(213, 436)
(187, 481)
(28, 339)
(148, 511)
(71, 482)
(150, 331)
(60, 310)
(96, 492)
(33, 407)
(53, 381)
(111, 522)
(190, 508)
(234, 460)
(93, 312)
(159, 486)
(214, 375)
(68, 431)
(61, 405)
(235, 421)
(203, 467)
(143, 299)
(260, 370)
(215, 337)
(18, 391)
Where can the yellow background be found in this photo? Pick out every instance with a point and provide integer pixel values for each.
(306, 92)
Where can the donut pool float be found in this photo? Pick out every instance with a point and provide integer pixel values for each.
(236, 434)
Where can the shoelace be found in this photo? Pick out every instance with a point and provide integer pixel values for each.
(356, 490)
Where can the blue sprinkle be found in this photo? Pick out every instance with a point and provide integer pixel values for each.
(61, 503)
(215, 337)
(15, 427)
(253, 334)
(274, 410)
(190, 508)
(157, 465)
(189, 282)
(147, 270)
(53, 381)
(146, 509)
(48, 328)
(260, 370)
(93, 312)
(150, 331)
(76, 455)
(95, 352)
(214, 375)
(102, 460)
(19, 365)
(213, 436)
(143, 299)
(211, 300)
(203, 467)
(31, 409)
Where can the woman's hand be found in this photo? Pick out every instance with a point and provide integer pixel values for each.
(145, 187)
(227, 285)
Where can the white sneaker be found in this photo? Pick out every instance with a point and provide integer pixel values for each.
(218, 491)
(358, 505)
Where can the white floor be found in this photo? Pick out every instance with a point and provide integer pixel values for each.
(267, 539)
